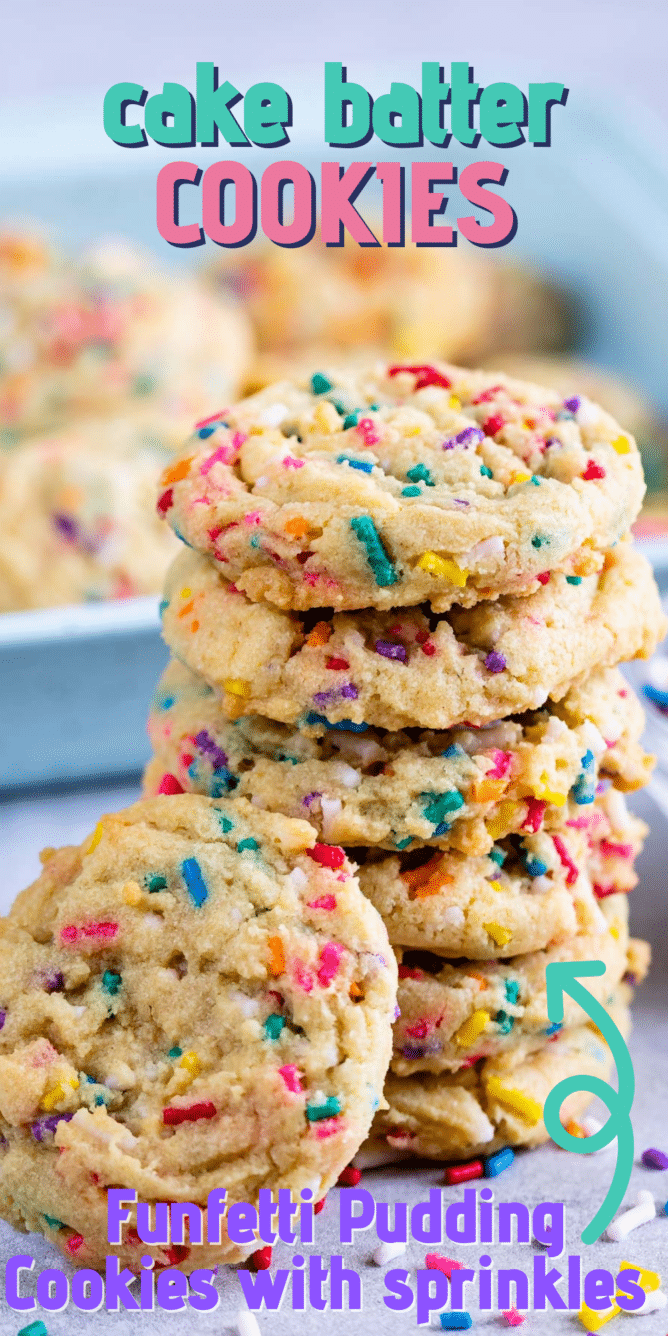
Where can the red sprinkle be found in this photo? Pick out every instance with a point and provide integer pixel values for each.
(461, 1173)
(535, 813)
(72, 933)
(543, 578)
(349, 1177)
(176, 1253)
(488, 395)
(601, 892)
(215, 417)
(425, 375)
(429, 649)
(615, 850)
(328, 855)
(165, 502)
(445, 1264)
(74, 1243)
(323, 902)
(191, 1113)
(170, 784)
(262, 1258)
(513, 1318)
(493, 424)
(592, 472)
(329, 961)
(319, 1206)
(565, 860)
(337, 665)
(405, 972)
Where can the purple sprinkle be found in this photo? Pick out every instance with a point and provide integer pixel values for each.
(310, 798)
(206, 744)
(602, 786)
(53, 983)
(67, 527)
(495, 663)
(572, 404)
(397, 1012)
(324, 697)
(350, 691)
(459, 502)
(420, 1050)
(47, 1126)
(3, 1018)
(390, 651)
(654, 1159)
(470, 436)
(552, 440)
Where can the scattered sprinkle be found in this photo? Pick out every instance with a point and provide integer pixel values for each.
(330, 1109)
(387, 1251)
(246, 1323)
(654, 1159)
(640, 1214)
(327, 855)
(191, 1113)
(472, 1029)
(447, 1265)
(274, 1025)
(349, 1177)
(495, 663)
(195, 883)
(528, 1109)
(320, 384)
(261, 1259)
(291, 1078)
(461, 1173)
(513, 1318)
(364, 529)
(495, 1164)
(455, 1321)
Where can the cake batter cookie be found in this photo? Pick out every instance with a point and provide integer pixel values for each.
(110, 332)
(531, 891)
(77, 520)
(409, 667)
(461, 788)
(197, 998)
(451, 1014)
(402, 485)
(498, 1101)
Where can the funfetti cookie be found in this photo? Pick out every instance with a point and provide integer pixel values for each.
(454, 1012)
(199, 997)
(410, 667)
(461, 788)
(497, 1101)
(402, 485)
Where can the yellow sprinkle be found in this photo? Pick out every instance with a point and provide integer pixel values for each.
(614, 932)
(95, 838)
(474, 1026)
(412, 431)
(503, 821)
(648, 1280)
(236, 686)
(529, 1110)
(326, 418)
(186, 593)
(191, 1063)
(445, 567)
(574, 1128)
(498, 934)
(547, 794)
(520, 477)
(592, 1320)
(495, 885)
(132, 893)
(488, 790)
(455, 403)
(622, 445)
(58, 1092)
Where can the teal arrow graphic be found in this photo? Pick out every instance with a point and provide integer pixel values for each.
(562, 977)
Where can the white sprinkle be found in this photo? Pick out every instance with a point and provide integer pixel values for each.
(618, 812)
(387, 1251)
(246, 1324)
(330, 808)
(539, 885)
(588, 413)
(297, 879)
(652, 1304)
(346, 775)
(454, 916)
(593, 738)
(273, 415)
(590, 1126)
(638, 1215)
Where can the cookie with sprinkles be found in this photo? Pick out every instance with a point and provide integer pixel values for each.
(496, 1101)
(197, 998)
(452, 1014)
(404, 484)
(410, 667)
(460, 788)
(529, 892)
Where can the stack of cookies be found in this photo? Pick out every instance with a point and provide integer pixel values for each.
(398, 614)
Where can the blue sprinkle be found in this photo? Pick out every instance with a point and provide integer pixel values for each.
(497, 1163)
(486, 473)
(111, 982)
(535, 480)
(339, 406)
(363, 465)
(441, 829)
(403, 844)
(420, 473)
(574, 579)
(512, 990)
(192, 875)
(273, 1026)
(205, 432)
(175, 1052)
(163, 606)
(584, 790)
(504, 1021)
(455, 1321)
(247, 844)
(330, 1109)
(534, 866)
(364, 529)
(554, 1028)
(411, 491)
(351, 419)
(225, 824)
(344, 726)
(320, 384)
(657, 697)
(497, 855)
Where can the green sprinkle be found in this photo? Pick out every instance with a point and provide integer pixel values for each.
(273, 1026)
(320, 384)
(411, 491)
(111, 982)
(330, 1109)
(539, 539)
(247, 844)
(440, 804)
(340, 407)
(420, 473)
(512, 991)
(175, 1052)
(156, 883)
(351, 419)
(53, 1223)
(225, 824)
(504, 1022)
(364, 529)
(497, 855)
(535, 480)
(486, 473)
(574, 579)
(33, 1329)
(403, 844)
(192, 875)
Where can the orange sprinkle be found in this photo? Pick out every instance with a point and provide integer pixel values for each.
(187, 607)
(488, 790)
(194, 626)
(297, 527)
(177, 472)
(428, 879)
(319, 635)
(355, 991)
(480, 978)
(276, 956)
(574, 1128)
